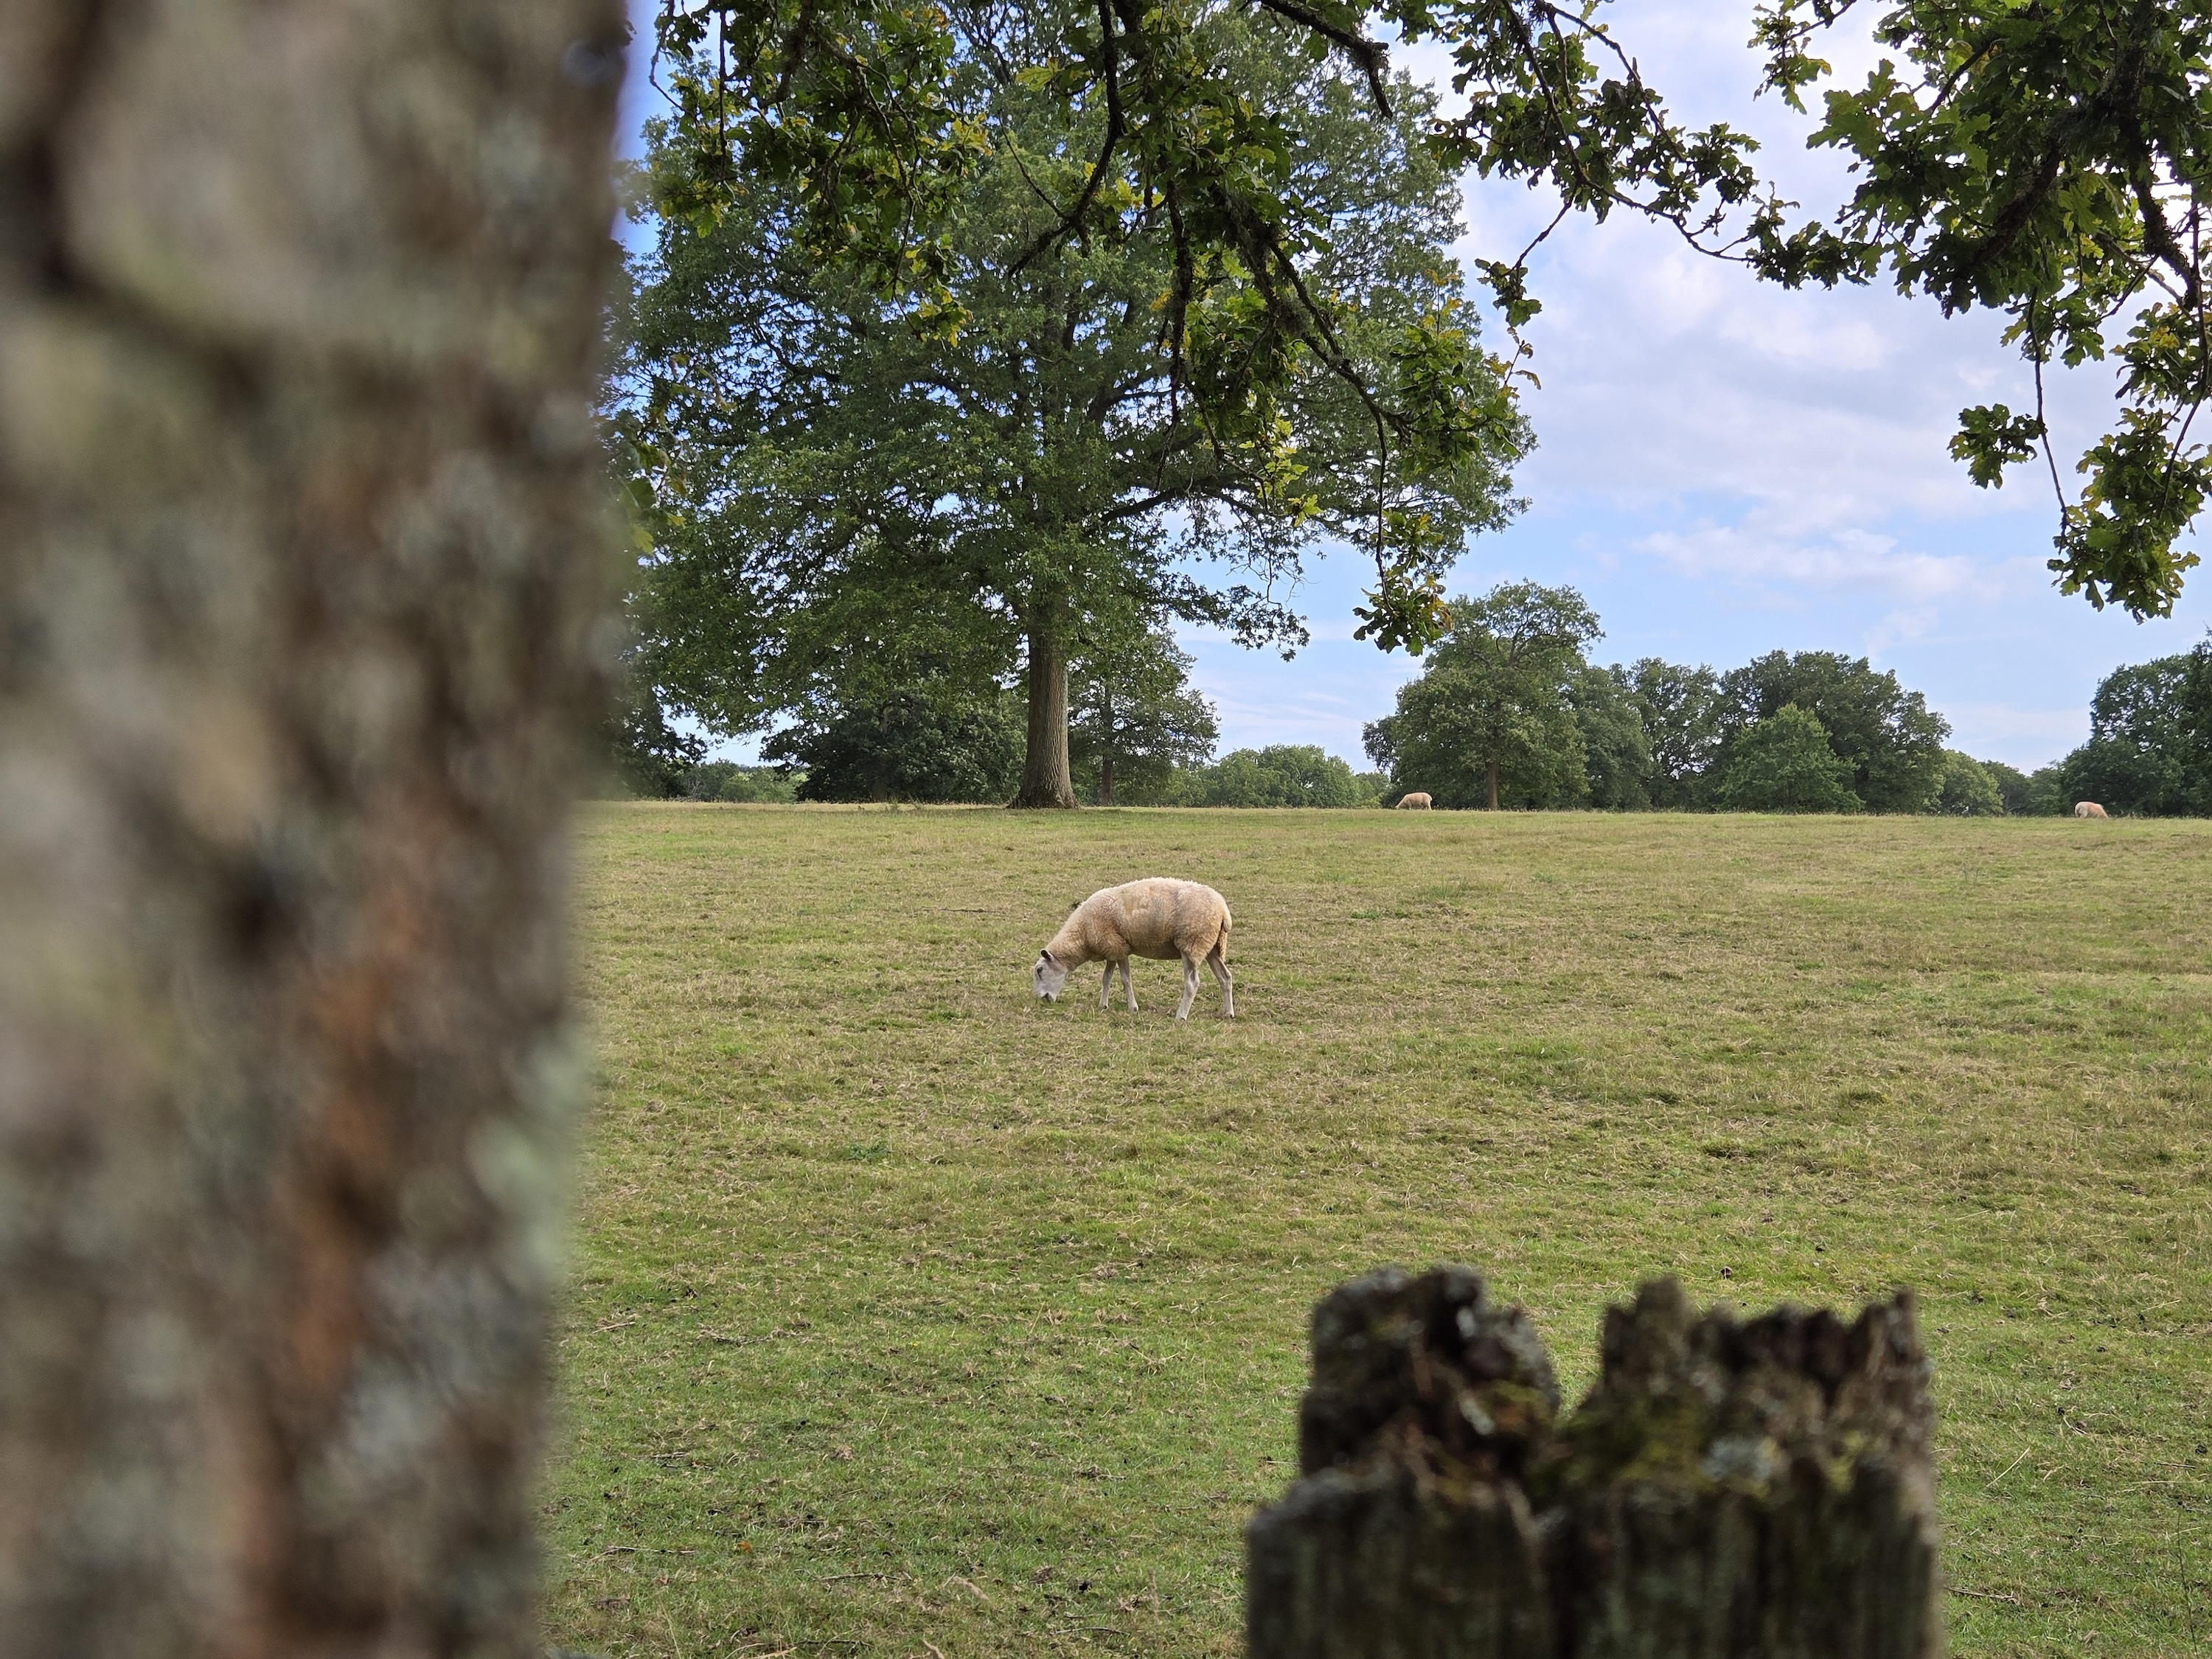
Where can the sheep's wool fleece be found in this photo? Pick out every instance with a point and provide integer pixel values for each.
(1159, 917)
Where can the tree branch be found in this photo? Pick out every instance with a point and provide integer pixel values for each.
(1371, 56)
(1110, 51)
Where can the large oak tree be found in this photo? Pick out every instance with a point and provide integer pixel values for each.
(1043, 447)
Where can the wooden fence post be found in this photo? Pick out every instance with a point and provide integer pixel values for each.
(1727, 1489)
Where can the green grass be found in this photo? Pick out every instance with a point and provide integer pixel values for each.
(909, 1316)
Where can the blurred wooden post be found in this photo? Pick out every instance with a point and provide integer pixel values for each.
(1758, 1490)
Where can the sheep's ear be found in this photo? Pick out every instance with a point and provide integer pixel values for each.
(1044, 956)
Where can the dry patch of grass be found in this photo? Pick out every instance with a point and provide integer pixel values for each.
(908, 1316)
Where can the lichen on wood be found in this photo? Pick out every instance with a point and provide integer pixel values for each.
(303, 571)
(1757, 1489)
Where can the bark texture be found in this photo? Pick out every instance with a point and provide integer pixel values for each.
(1047, 780)
(1409, 1535)
(302, 565)
(1727, 1489)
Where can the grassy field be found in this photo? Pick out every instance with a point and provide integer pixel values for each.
(909, 1316)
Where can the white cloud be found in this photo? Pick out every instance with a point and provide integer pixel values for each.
(1761, 552)
(1900, 627)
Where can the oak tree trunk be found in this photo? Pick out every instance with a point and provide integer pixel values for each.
(1491, 771)
(301, 575)
(1045, 779)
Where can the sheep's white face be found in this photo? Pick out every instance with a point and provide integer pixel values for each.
(1049, 976)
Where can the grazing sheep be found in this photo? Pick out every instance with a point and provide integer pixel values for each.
(2088, 809)
(1415, 802)
(1158, 917)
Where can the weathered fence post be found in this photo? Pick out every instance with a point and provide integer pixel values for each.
(1728, 1489)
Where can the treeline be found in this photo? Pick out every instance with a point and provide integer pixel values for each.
(1138, 735)
(1284, 775)
(1508, 711)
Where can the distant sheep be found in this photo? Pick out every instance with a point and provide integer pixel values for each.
(1414, 802)
(2089, 809)
(1160, 918)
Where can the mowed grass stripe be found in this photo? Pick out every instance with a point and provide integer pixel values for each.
(906, 1311)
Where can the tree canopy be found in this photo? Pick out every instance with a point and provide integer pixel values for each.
(1282, 775)
(1508, 711)
(2025, 794)
(2045, 162)
(1890, 741)
(1970, 787)
(1682, 717)
(1617, 757)
(728, 782)
(1782, 762)
(909, 709)
(640, 754)
(910, 742)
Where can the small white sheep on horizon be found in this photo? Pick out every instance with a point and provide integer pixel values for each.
(1413, 801)
(2088, 809)
(1160, 918)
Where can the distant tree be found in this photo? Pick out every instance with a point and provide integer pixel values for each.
(1134, 721)
(704, 781)
(2150, 739)
(1616, 754)
(1489, 721)
(1887, 737)
(762, 784)
(910, 742)
(2015, 787)
(1682, 710)
(1240, 778)
(1784, 763)
(1969, 789)
(912, 710)
(1282, 775)
(2120, 777)
(1372, 786)
(645, 758)
(726, 781)
(2047, 792)
(2028, 795)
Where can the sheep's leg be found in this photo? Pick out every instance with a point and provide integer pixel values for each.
(1128, 985)
(1105, 987)
(1189, 987)
(1219, 964)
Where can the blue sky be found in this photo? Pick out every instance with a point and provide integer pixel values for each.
(1724, 468)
